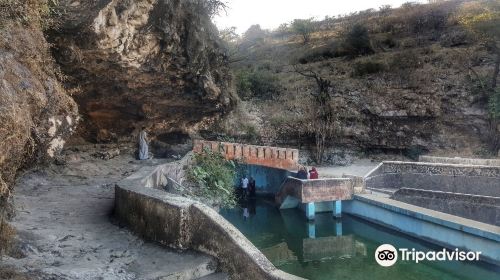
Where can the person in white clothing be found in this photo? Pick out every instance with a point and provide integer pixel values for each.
(244, 185)
(143, 144)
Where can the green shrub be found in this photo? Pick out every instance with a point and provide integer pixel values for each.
(215, 177)
(363, 68)
(304, 28)
(384, 42)
(357, 41)
(256, 83)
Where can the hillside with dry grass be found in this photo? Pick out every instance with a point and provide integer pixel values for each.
(409, 80)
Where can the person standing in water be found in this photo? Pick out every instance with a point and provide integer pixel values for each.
(143, 145)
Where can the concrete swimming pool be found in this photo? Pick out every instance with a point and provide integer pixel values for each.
(259, 240)
(343, 248)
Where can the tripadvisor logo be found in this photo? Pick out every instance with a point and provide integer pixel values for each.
(387, 255)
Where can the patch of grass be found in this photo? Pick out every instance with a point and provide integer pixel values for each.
(40, 13)
(406, 59)
(362, 68)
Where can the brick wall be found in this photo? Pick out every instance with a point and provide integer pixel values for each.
(250, 154)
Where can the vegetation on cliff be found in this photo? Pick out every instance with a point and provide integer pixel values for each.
(412, 79)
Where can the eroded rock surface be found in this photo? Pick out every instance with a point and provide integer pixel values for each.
(157, 63)
(36, 114)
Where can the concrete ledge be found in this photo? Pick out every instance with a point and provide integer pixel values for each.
(436, 227)
(182, 223)
(459, 160)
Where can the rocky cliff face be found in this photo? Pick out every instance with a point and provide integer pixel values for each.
(36, 114)
(154, 63)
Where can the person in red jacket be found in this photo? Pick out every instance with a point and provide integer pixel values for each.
(313, 174)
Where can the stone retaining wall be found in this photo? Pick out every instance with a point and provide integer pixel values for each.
(459, 160)
(283, 158)
(485, 209)
(182, 223)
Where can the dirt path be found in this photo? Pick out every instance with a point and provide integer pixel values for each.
(65, 230)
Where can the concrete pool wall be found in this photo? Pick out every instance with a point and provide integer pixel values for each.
(182, 223)
(456, 178)
(460, 160)
(436, 227)
(469, 191)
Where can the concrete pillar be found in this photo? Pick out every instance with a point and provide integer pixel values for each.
(338, 228)
(310, 211)
(337, 208)
(311, 230)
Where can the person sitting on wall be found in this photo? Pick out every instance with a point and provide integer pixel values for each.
(143, 144)
(313, 174)
(302, 174)
(251, 187)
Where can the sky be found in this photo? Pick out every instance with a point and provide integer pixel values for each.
(271, 13)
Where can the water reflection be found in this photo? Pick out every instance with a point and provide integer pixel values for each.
(343, 248)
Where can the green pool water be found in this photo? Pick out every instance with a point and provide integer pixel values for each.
(339, 249)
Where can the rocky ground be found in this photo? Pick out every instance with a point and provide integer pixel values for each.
(65, 230)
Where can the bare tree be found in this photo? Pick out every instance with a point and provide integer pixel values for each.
(322, 119)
